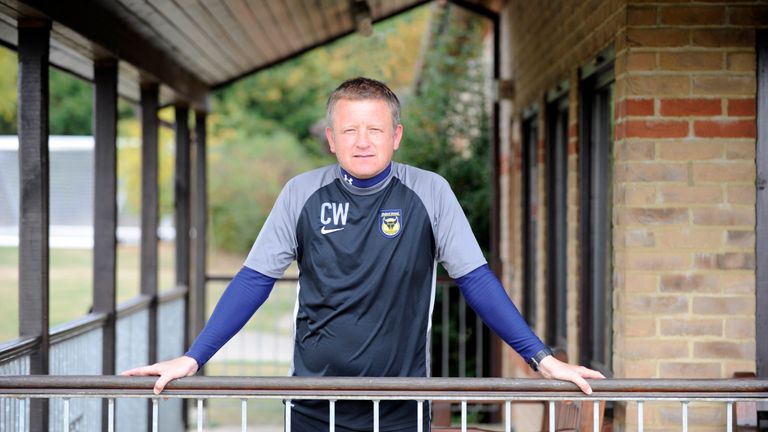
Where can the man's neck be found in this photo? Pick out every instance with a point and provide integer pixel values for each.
(365, 183)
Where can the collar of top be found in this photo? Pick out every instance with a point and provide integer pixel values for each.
(351, 180)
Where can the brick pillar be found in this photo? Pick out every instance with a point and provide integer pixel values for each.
(684, 196)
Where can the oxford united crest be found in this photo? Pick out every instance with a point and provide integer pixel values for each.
(391, 222)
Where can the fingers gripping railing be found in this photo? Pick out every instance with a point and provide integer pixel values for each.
(333, 389)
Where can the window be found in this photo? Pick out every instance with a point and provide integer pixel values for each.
(596, 140)
(761, 319)
(530, 203)
(557, 217)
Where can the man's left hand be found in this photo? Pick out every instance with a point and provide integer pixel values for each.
(550, 367)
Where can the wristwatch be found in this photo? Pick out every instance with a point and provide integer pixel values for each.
(538, 357)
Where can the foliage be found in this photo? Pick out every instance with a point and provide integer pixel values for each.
(71, 104)
(268, 127)
(8, 91)
(446, 119)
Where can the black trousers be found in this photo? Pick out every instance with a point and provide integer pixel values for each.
(357, 416)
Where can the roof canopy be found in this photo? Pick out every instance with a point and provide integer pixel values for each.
(192, 46)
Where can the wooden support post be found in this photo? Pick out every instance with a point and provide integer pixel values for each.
(105, 211)
(181, 196)
(34, 171)
(149, 214)
(761, 320)
(200, 221)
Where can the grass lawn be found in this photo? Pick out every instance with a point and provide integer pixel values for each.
(71, 285)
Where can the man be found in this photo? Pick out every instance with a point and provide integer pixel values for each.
(367, 234)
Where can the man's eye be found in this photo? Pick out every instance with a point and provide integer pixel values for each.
(349, 131)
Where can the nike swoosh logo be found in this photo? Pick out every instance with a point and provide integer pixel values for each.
(325, 230)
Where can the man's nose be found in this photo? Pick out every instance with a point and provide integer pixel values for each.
(362, 140)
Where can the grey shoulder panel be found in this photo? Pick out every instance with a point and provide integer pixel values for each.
(457, 248)
(275, 247)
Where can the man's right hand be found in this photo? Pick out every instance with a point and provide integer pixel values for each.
(179, 367)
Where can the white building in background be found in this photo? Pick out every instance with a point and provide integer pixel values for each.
(71, 196)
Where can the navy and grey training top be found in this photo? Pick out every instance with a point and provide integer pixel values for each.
(367, 253)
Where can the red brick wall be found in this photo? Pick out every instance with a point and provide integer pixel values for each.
(683, 186)
(684, 197)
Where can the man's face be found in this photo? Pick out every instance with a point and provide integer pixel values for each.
(362, 137)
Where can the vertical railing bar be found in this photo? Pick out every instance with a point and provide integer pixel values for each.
(551, 416)
(287, 414)
(508, 416)
(420, 416)
(332, 418)
(640, 425)
(375, 416)
(199, 415)
(462, 337)
(479, 347)
(111, 415)
(446, 332)
(23, 417)
(155, 417)
(66, 414)
(596, 416)
(685, 416)
(463, 416)
(729, 417)
(244, 415)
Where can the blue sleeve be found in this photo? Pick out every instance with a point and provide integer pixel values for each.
(484, 293)
(245, 293)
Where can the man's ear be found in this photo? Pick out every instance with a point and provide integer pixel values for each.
(329, 137)
(398, 136)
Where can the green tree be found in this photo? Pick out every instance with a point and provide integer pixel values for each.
(446, 118)
(8, 91)
(71, 104)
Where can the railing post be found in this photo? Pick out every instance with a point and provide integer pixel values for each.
(640, 421)
(685, 416)
(463, 416)
(182, 194)
(244, 415)
(149, 211)
(332, 416)
(34, 184)
(105, 210)
(507, 416)
(376, 416)
(596, 416)
(199, 415)
(551, 416)
(200, 220)
(288, 415)
(111, 415)
(420, 416)
(182, 213)
(65, 419)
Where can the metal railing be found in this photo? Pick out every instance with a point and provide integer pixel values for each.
(422, 390)
(76, 349)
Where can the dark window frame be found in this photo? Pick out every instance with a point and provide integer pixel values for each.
(529, 208)
(557, 218)
(596, 207)
(761, 234)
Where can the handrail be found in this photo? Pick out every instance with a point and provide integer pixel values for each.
(386, 388)
(133, 305)
(227, 278)
(172, 294)
(21, 346)
(81, 325)
(18, 347)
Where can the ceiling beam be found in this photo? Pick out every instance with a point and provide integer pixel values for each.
(99, 25)
(313, 46)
